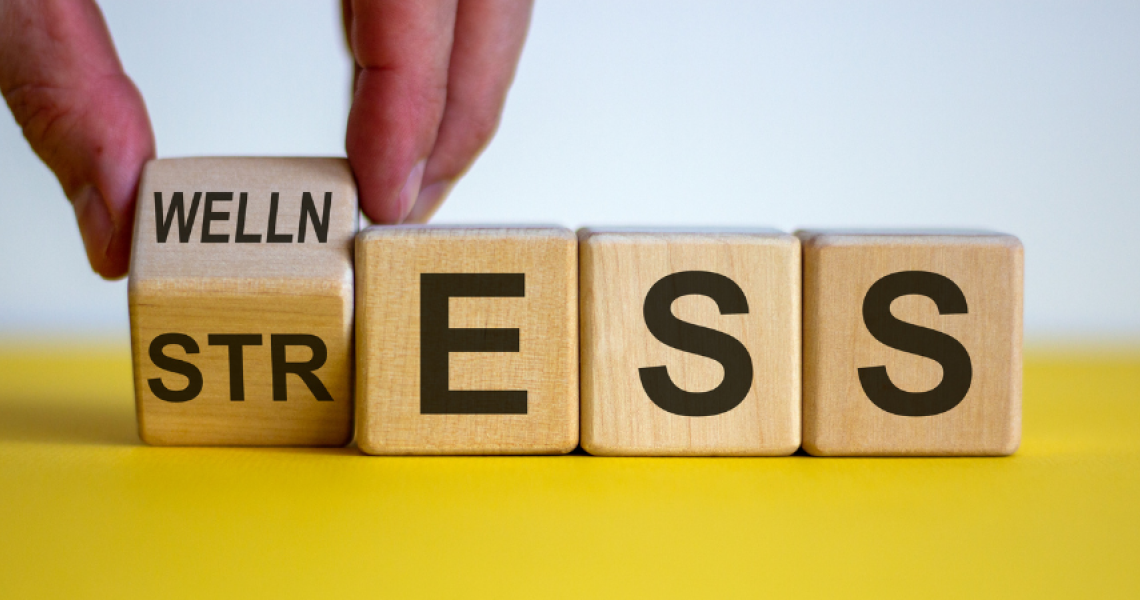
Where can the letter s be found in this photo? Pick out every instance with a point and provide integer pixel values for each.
(162, 361)
(710, 343)
(947, 351)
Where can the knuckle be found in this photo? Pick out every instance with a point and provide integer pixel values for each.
(43, 112)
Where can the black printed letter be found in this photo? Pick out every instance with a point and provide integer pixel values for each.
(209, 215)
(162, 361)
(956, 369)
(721, 347)
(437, 340)
(271, 236)
(237, 363)
(185, 224)
(281, 368)
(241, 237)
(309, 209)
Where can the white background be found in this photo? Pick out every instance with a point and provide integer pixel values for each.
(1017, 116)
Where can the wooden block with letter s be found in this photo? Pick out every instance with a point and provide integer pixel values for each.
(690, 342)
(467, 340)
(241, 301)
(912, 342)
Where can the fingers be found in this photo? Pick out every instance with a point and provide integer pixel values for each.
(402, 50)
(489, 36)
(81, 114)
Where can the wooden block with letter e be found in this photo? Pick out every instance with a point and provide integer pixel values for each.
(467, 340)
(912, 343)
(690, 342)
(241, 301)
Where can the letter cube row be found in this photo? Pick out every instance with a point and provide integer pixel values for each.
(262, 315)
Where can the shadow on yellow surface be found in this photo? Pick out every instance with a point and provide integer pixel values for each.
(87, 511)
(30, 421)
(67, 396)
(63, 396)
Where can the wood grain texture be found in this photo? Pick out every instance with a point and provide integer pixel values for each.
(390, 262)
(839, 269)
(618, 268)
(261, 288)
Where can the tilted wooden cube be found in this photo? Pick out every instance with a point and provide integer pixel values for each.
(690, 342)
(241, 301)
(467, 340)
(912, 343)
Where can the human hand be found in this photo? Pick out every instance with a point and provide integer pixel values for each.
(431, 79)
(81, 114)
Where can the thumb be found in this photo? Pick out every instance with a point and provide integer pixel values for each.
(81, 114)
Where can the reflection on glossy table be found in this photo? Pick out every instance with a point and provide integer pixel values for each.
(87, 511)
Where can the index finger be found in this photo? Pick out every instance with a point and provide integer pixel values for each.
(402, 51)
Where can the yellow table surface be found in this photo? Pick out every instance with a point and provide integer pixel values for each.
(86, 511)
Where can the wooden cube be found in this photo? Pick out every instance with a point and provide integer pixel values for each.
(912, 343)
(241, 301)
(467, 340)
(690, 342)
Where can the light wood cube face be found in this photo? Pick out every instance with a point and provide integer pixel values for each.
(241, 301)
(912, 343)
(690, 343)
(467, 340)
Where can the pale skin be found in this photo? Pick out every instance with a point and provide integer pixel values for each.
(431, 79)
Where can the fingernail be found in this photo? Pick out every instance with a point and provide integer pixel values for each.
(429, 201)
(411, 190)
(95, 225)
